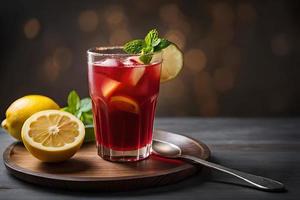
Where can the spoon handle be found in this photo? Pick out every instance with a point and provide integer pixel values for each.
(256, 181)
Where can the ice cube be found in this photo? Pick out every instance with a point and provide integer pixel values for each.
(110, 62)
(133, 60)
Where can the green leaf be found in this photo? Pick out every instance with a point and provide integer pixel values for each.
(134, 46)
(82, 109)
(85, 104)
(151, 37)
(163, 44)
(73, 102)
(156, 42)
(146, 54)
(146, 58)
(147, 50)
(151, 43)
(78, 114)
(66, 109)
(87, 118)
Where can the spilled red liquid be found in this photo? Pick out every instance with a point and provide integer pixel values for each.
(124, 96)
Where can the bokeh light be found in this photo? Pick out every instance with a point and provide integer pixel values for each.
(143, 6)
(56, 64)
(119, 37)
(195, 60)
(222, 28)
(170, 14)
(51, 70)
(32, 28)
(173, 17)
(62, 57)
(115, 17)
(176, 37)
(88, 20)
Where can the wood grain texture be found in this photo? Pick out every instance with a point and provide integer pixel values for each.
(266, 147)
(86, 170)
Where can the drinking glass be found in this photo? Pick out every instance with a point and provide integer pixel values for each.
(124, 94)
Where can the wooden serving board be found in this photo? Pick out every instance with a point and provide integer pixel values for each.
(87, 171)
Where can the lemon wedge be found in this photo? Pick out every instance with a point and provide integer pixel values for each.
(125, 104)
(52, 135)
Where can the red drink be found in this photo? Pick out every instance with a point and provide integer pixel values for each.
(124, 94)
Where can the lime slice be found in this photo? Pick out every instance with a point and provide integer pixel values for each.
(172, 63)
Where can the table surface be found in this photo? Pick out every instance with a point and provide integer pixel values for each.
(266, 147)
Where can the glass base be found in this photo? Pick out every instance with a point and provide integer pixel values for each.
(124, 156)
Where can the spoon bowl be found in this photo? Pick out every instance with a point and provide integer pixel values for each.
(165, 149)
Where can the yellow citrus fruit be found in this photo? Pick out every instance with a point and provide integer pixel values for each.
(53, 135)
(172, 63)
(125, 104)
(22, 109)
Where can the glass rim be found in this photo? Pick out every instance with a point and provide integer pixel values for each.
(93, 51)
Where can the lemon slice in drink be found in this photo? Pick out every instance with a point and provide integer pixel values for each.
(125, 104)
(172, 63)
(53, 135)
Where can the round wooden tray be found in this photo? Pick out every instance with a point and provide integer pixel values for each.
(87, 171)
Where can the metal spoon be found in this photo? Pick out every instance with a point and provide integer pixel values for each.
(169, 150)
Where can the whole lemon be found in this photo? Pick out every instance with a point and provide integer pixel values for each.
(22, 109)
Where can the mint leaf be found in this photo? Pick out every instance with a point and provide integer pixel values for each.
(66, 109)
(78, 114)
(146, 58)
(134, 46)
(85, 105)
(73, 102)
(164, 43)
(151, 43)
(151, 37)
(87, 118)
(82, 109)
(146, 54)
(156, 42)
(148, 49)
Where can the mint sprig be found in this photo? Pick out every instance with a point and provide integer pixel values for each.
(82, 109)
(152, 43)
(134, 46)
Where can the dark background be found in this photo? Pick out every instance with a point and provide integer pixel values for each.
(241, 57)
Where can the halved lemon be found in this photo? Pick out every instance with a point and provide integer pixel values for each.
(125, 104)
(53, 135)
(172, 63)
